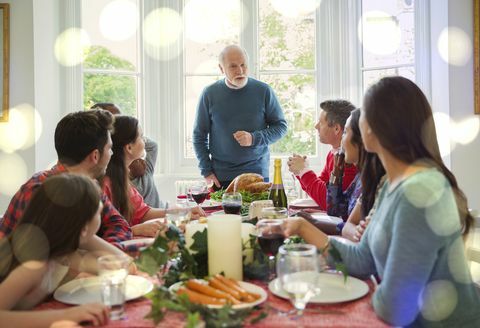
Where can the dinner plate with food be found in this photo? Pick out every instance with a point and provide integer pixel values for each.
(218, 291)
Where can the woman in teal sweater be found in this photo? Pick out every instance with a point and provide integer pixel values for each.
(414, 240)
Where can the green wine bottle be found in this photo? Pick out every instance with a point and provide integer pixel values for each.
(277, 192)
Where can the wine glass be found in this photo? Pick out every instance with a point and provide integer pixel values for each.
(270, 237)
(232, 202)
(297, 271)
(198, 191)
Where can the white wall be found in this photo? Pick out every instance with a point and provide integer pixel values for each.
(465, 159)
(22, 91)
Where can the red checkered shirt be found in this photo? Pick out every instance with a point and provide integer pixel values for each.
(114, 228)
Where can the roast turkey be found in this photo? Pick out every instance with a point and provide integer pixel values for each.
(251, 182)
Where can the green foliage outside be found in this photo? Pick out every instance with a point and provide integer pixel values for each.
(120, 90)
(287, 44)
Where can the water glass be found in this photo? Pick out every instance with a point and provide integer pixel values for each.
(113, 271)
(232, 202)
(297, 270)
(178, 214)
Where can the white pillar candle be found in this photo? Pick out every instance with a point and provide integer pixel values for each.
(225, 245)
(190, 230)
(247, 230)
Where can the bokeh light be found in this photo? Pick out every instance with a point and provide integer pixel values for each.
(451, 133)
(14, 174)
(425, 190)
(454, 46)
(23, 129)
(439, 299)
(456, 263)
(293, 9)
(119, 20)
(70, 46)
(213, 20)
(6, 255)
(442, 127)
(466, 131)
(379, 32)
(30, 242)
(162, 29)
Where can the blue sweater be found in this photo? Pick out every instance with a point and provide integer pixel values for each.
(221, 112)
(414, 244)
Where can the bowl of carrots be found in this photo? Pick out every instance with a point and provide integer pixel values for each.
(217, 291)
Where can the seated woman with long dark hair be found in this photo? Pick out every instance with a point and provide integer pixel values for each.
(357, 200)
(414, 241)
(62, 216)
(128, 145)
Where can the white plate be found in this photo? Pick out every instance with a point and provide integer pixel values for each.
(326, 218)
(143, 241)
(333, 289)
(304, 203)
(245, 285)
(87, 290)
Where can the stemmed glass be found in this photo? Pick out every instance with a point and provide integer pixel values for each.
(232, 202)
(297, 271)
(270, 237)
(198, 191)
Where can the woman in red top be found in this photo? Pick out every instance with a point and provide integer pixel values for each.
(129, 145)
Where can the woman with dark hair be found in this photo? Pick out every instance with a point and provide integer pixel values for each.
(414, 240)
(62, 216)
(353, 204)
(128, 145)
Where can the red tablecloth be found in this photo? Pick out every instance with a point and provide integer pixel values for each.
(357, 313)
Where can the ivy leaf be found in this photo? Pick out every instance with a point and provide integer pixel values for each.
(338, 261)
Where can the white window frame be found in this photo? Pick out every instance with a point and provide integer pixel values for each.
(338, 73)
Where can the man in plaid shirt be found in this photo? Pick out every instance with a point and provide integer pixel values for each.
(84, 146)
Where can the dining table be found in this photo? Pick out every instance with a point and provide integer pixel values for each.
(356, 313)
(279, 311)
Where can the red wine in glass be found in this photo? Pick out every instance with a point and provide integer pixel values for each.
(199, 197)
(271, 243)
(231, 208)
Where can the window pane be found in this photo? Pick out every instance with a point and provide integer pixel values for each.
(194, 86)
(285, 43)
(210, 25)
(119, 89)
(112, 28)
(370, 77)
(296, 94)
(388, 40)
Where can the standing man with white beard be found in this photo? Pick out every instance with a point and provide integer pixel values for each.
(237, 118)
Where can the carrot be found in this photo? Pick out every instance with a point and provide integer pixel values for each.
(251, 295)
(200, 298)
(229, 283)
(244, 295)
(197, 286)
(214, 282)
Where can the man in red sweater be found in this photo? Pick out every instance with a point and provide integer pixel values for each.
(333, 115)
